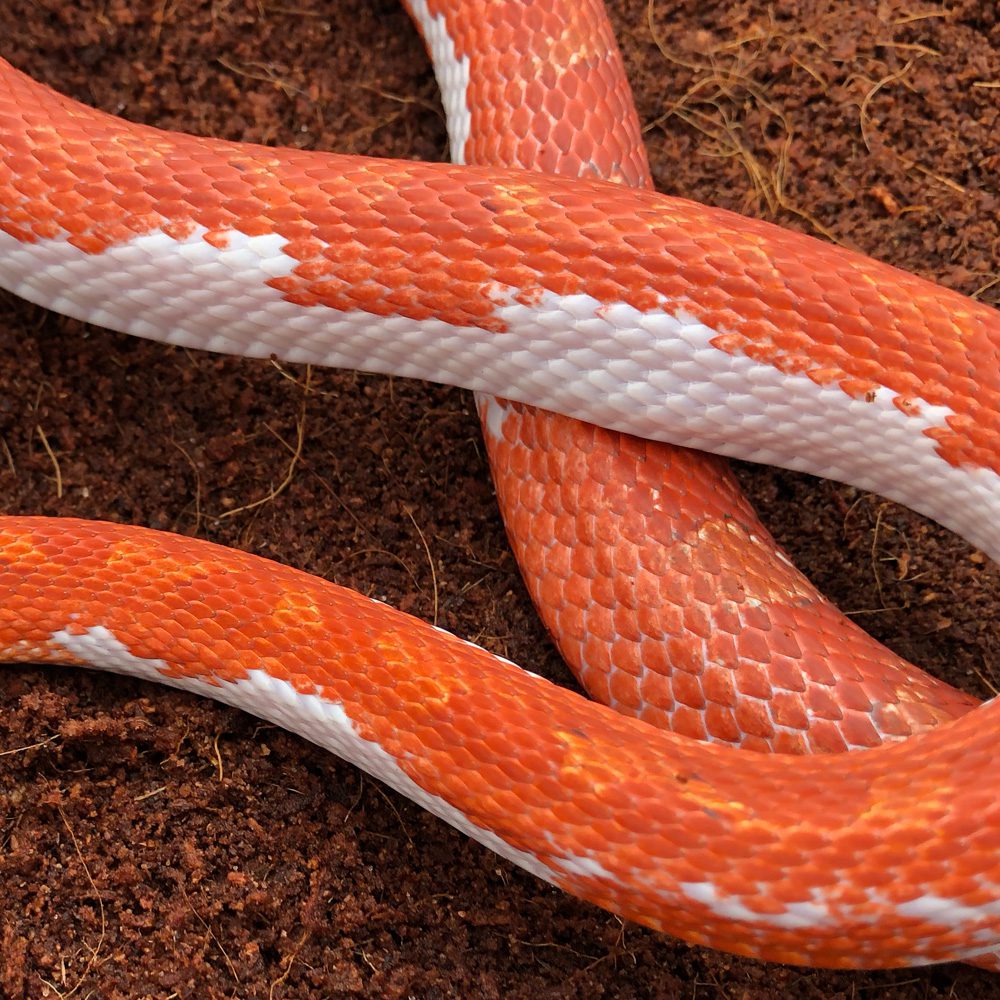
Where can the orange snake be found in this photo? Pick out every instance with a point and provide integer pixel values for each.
(411, 727)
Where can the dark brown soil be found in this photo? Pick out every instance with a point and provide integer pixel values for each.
(155, 845)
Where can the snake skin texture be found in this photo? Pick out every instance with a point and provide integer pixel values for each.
(630, 310)
(663, 591)
(880, 858)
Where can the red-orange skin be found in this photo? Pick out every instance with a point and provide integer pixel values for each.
(522, 759)
(662, 589)
(650, 568)
(428, 240)
(551, 773)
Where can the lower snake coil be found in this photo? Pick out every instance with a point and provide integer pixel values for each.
(616, 311)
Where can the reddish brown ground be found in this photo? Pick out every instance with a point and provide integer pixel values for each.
(154, 845)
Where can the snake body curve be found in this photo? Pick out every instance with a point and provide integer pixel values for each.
(548, 236)
(634, 551)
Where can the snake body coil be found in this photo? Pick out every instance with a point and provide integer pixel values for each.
(637, 312)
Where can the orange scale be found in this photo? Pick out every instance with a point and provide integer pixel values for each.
(565, 535)
(367, 295)
(533, 556)
(682, 562)
(979, 839)
(855, 896)
(52, 161)
(859, 731)
(829, 376)
(643, 591)
(463, 759)
(788, 711)
(86, 242)
(867, 331)
(777, 904)
(104, 213)
(625, 656)
(981, 454)
(684, 650)
(559, 109)
(623, 690)
(843, 301)
(688, 722)
(820, 672)
(719, 685)
(157, 184)
(512, 277)
(702, 588)
(29, 227)
(221, 650)
(754, 720)
(509, 54)
(591, 841)
(921, 714)
(32, 187)
(398, 299)
(785, 673)
(853, 697)
(573, 813)
(535, 94)
(969, 890)
(576, 115)
(752, 644)
(623, 589)
(598, 666)
(545, 793)
(602, 594)
(721, 649)
(596, 810)
(499, 258)
(543, 525)
(273, 198)
(575, 592)
(69, 208)
(120, 170)
(519, 459)
(529, 503)
(90, 180)
(655, 656)
(890, 722)
(511, 801)
(438, 738)
(249, 599)
(513, 770)
(931, 873)
(727, 622)
(823, 704)
(721, 724)
(698, 823)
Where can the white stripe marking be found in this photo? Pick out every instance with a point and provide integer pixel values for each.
(317, 719)
(452, 75)
(328, 725)
(653, 374)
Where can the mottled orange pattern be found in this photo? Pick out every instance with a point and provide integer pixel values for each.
(662, 589)
(854, 835)
(430, 240)
(547, 88)
(658, 582)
